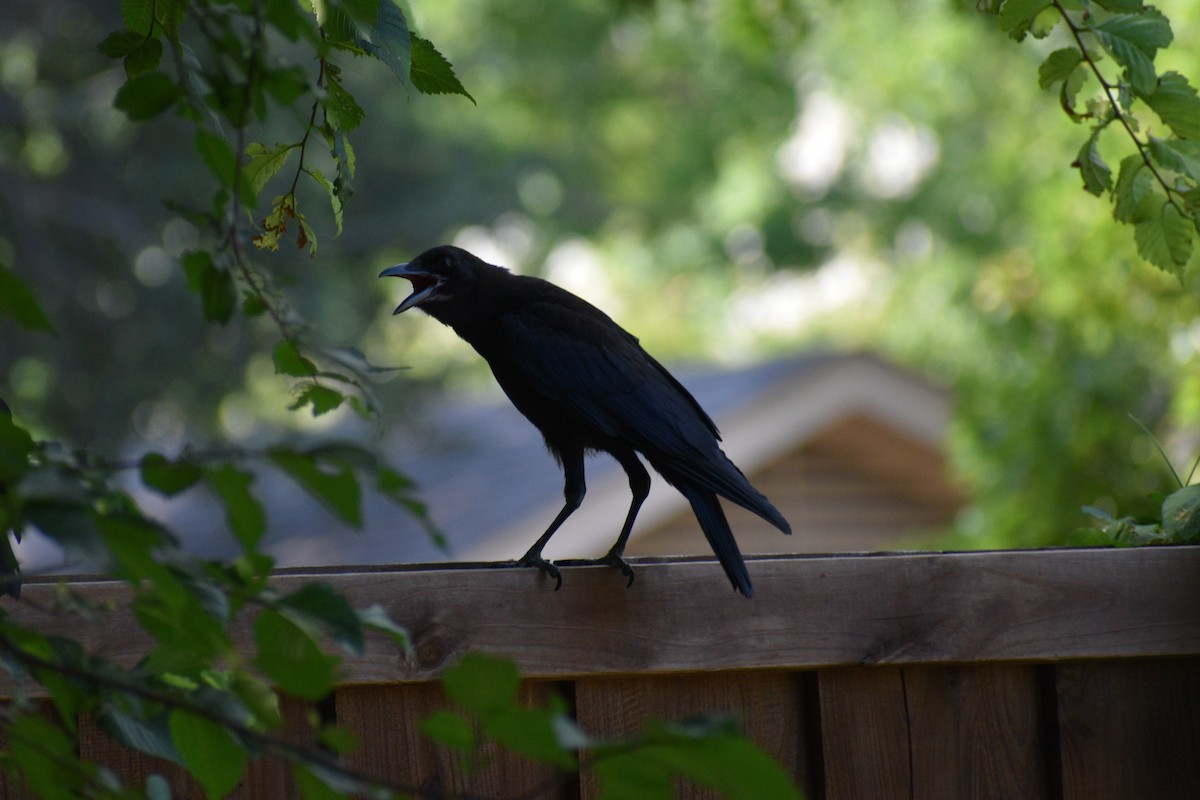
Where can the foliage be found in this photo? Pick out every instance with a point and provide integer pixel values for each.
(1178, 521)
(1157, 186)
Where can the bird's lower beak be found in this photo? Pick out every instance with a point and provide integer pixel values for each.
(424, 285)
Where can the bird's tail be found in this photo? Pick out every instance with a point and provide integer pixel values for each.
(716, 529)
(722, 476)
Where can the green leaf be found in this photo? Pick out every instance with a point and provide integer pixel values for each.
(320, 604)
(322, 399)
(119, 44)
(637, 774)
(341, 109)
(147, 96)
(149, 734)
(736, 767)
(338, 739)
(168, 478)
(377, 619)
(1133, 40)
(143, 58)
(286, 84)
(287, 17)
(1058, 66)
(343, 156)
(15, 446)
(263, 164)
(41, 748)
(336, 489)
(253, 306)
(1097, 177)
(215, 286)
(1181, 155)
(243, 512)
(208, 751)
(450, 729)
(1016, 16)
(257, 697)
(288, 361)
(390, 40)
(218, 155)
(1164, 237)
(1181, 515)
(483, 684)
(290, 657)
(138, 15)
(18, 302)
(1176, 103)
(431, 73)
(134, 542)
(187, 633)
(1120, 5)
(1134, 183)
(335, 201)
(530, 732)
(72, 525)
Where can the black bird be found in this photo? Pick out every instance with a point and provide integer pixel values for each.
(588, 386)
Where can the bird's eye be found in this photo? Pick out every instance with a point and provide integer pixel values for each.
(446, 262)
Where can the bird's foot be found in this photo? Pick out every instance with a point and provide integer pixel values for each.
(532, 559)
(611, 559)
(614, 559)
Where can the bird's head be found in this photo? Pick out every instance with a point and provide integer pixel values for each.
(438, 275)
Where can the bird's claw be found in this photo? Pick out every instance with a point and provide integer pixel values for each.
(535, 560)
(614, 559)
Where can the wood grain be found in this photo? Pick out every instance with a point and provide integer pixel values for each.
(864, 734)
(1130, 729)
(769, 706)
(680, 615)
(975, 732)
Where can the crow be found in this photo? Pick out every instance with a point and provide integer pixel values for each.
(588, 386)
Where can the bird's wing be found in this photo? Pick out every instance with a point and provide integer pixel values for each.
(596, 370)
(586, 365)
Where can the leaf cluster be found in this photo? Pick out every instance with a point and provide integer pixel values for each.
(194, 698)
(1111, 52)
(228, 73)
(1178, 521)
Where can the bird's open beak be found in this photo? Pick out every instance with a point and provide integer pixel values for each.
(424, 284)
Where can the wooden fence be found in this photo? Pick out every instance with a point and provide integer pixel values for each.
(1028, 674)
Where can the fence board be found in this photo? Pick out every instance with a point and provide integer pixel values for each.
(864, 734)
(386, 719)
(271, 775)
(130, 766)
(976, 732)
(1130, 729)
(808, 611)
(770, 707)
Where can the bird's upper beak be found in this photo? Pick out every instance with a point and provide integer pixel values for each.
(424, 284)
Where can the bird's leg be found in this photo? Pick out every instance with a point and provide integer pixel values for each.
(639, 485)
(574, 488)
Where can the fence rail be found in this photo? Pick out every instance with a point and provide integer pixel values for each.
(1023, 674)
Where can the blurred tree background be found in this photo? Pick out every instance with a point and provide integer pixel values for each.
(730, 179)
